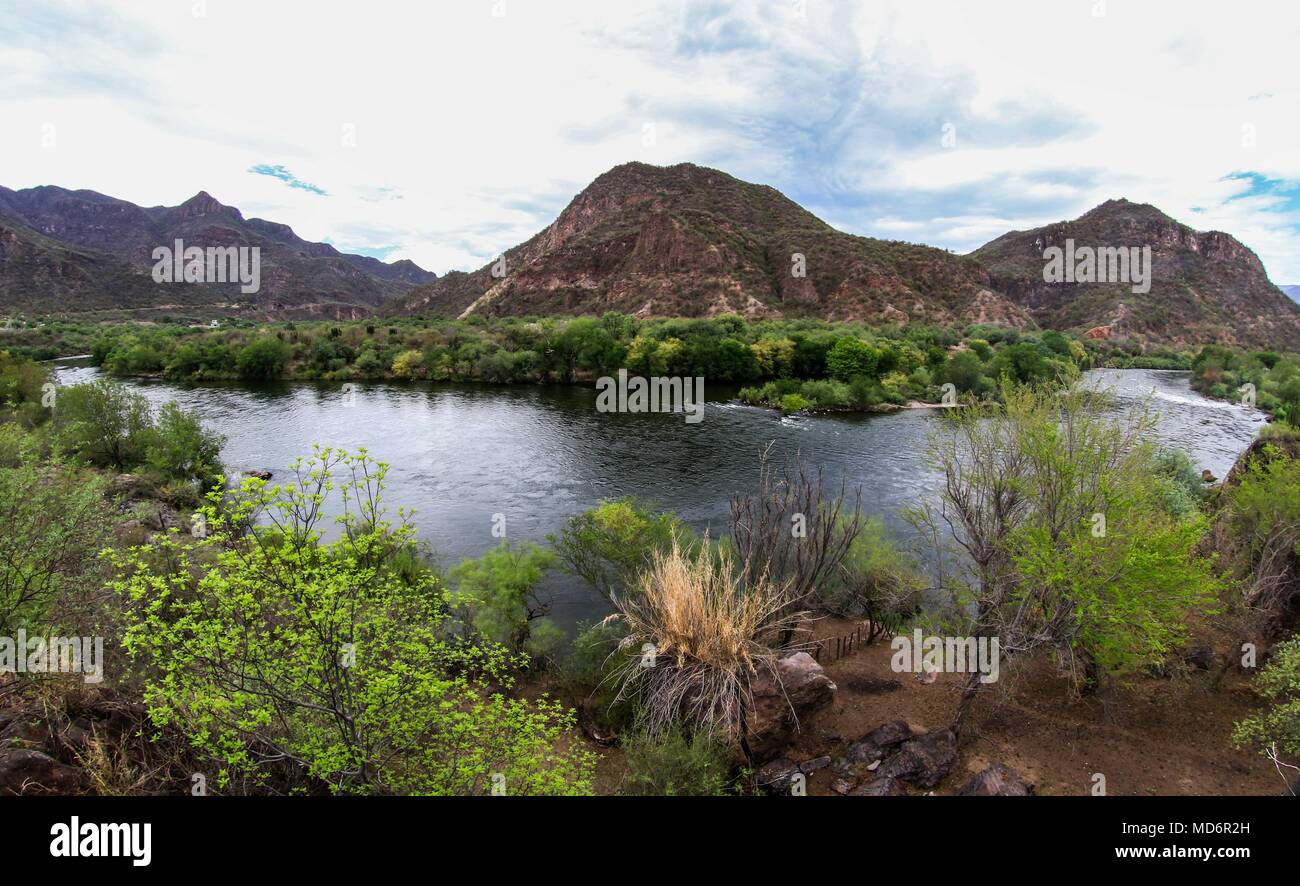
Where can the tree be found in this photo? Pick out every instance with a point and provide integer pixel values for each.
(610, 544)
(851, 357)
(271, 646)
(1057, 536)
(104, 423)
(263, 358)
(408, 364)
(182, 448)
(499, 593)
(53, 522)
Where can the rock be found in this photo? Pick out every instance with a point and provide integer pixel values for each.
(880, 787)
(864, 755)
(1207, 476)
(260, 475)
(808, 767)
(997, 780)
(23, 733)
(922, 761)
(32, 772)
(1098, 333)
(777, 776)
(785, 703)
(842, 786)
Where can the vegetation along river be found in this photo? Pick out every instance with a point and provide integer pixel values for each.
(460, 453)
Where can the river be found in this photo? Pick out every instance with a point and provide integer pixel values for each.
(461, 453)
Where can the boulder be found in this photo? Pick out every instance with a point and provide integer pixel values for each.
(862, 755)
(922, 761)
(997, 780)
(1207, 476)
(784, 702)
(777, 776)
(260, 475)
(32, 772)
(883, 786)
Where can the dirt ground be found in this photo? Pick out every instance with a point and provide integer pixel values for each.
(1162, 736)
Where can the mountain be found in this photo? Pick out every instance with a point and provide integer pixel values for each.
(1205, 287)
(690, 241)
(1292, 290)
(70, 251)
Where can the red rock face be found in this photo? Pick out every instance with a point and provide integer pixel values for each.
(1098, 332)
(1205, 286)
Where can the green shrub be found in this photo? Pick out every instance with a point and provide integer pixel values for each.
(275, 646)
(675, 765)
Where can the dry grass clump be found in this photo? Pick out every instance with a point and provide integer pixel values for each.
(705, 633)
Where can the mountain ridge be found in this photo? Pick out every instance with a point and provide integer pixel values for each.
(299, 277)
(687, 240)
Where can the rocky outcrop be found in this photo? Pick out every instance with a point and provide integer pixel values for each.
(1204, 286)
(923, 761)
(690, 241)
(784, 702)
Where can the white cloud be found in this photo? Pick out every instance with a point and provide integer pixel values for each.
(473, 130)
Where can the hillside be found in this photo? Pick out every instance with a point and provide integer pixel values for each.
(71, 251)
(690, 241)
(1205, 287)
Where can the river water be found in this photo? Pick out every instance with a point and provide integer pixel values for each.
(461, 453)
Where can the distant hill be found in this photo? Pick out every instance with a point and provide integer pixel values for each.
(690, 241)
(71, 251)
(1293, 290)
(1205, 287)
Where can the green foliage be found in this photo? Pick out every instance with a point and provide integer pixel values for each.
(608, 545)
(53, 521)
(587, 676)
(273, 644)
(498, 593)
(263, 358)
(1177, 483)
(676, 765)
(182, 448)
(850, 358)
(1276, 730)
(104, 423)
(1066, 538)
(877, 581)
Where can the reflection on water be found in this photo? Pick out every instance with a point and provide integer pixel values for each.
(538, 455)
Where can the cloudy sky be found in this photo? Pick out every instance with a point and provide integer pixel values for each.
(447, 131)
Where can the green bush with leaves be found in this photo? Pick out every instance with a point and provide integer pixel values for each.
(610, 544)
(1275, 731)
(270, 644)
(104, 423)
(498, 593)
(53, 522)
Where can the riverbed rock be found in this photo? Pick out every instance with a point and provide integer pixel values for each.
(1207, 476)
(998, 780)
(923, 761)
(784, 703)
(260, 475)
(25, 772)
